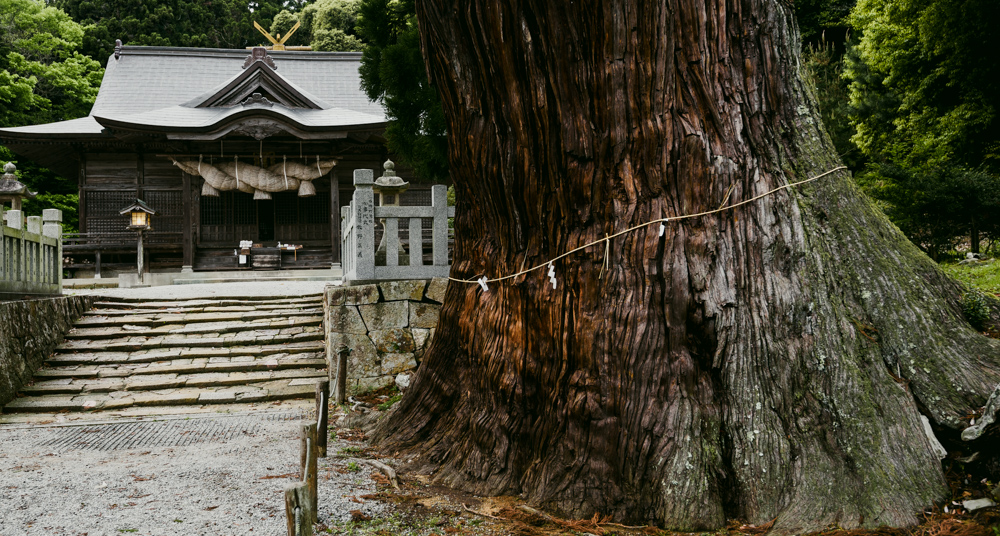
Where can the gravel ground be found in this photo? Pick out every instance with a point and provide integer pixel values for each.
(212, 290)
(215, 487)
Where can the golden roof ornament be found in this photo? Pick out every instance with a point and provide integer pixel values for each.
(279, 42)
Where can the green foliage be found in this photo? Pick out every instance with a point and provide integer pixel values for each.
(327, 25)
(335, 40)
(353, 467)
(349, 451)
(983, 276)
(187, 23)
(924, 81)
(976, 308)
(389, 403)
(935, 205)
(43, 77)
(53, 191)
(393, 73)
(824, 68)
(817, 17)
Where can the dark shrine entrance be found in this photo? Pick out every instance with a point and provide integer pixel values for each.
(265, 220)
(231, 217)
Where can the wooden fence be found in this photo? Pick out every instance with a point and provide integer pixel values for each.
(31, 254)
(358, 221)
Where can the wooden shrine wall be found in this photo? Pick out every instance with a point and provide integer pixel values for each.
(111, 181)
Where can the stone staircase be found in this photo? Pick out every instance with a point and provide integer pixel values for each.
(126, 354)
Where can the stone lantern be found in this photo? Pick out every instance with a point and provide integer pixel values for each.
(389, 187)
(11, 189)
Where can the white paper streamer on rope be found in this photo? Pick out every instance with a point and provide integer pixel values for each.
(552, 275)
(199, 165)
(318, 169)
(236, 163)
(482, 281)
(284, 163)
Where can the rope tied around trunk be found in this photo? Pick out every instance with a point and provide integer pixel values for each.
(482, 281)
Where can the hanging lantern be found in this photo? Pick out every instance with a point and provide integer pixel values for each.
(306, 189)
(207, 190)
(139, 214)
(261, 195)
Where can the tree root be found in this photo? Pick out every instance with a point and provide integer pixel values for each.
(389, 472)
(989, 417)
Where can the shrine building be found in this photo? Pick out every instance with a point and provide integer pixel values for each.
(226, 146)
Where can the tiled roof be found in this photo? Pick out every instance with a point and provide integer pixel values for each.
(148, 79)
(73, 127)
(182, 117)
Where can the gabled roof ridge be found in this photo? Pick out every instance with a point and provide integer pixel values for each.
(137, 50)
(223, 94)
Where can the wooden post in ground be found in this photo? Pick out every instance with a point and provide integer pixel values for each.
(298, 509)
(340, 391)
(309, 465)
(322, 416)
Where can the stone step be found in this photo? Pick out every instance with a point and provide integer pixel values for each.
(184, 366)
(152, 382)
(99, 357)
(110, 311)
(283, 389)
(189, 353)
(93, 319)
(285, 326)
(138, 304)
(239, 338)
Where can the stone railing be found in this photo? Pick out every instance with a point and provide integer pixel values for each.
(31, 255)
(360, 262)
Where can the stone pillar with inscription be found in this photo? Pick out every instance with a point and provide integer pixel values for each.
(364, 205)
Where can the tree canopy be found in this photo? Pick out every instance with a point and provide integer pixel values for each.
(924, 113)
(326, 25)
(924, 82)
(43, 78)
(393, 73)
(188, 23)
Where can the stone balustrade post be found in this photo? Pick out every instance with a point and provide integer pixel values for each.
(15, 219)
(52, 227)
(364, 224)
(34, 224)
(52, 222)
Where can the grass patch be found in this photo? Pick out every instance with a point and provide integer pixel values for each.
(984, 276)
(389, 403)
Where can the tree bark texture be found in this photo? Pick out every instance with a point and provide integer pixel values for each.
(766, 363)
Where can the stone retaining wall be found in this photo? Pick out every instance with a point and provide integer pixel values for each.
(387, 326)
(29, 332)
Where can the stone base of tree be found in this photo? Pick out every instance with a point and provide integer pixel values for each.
(386, 326)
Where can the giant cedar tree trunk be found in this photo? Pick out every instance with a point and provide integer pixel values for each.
(767, 362)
